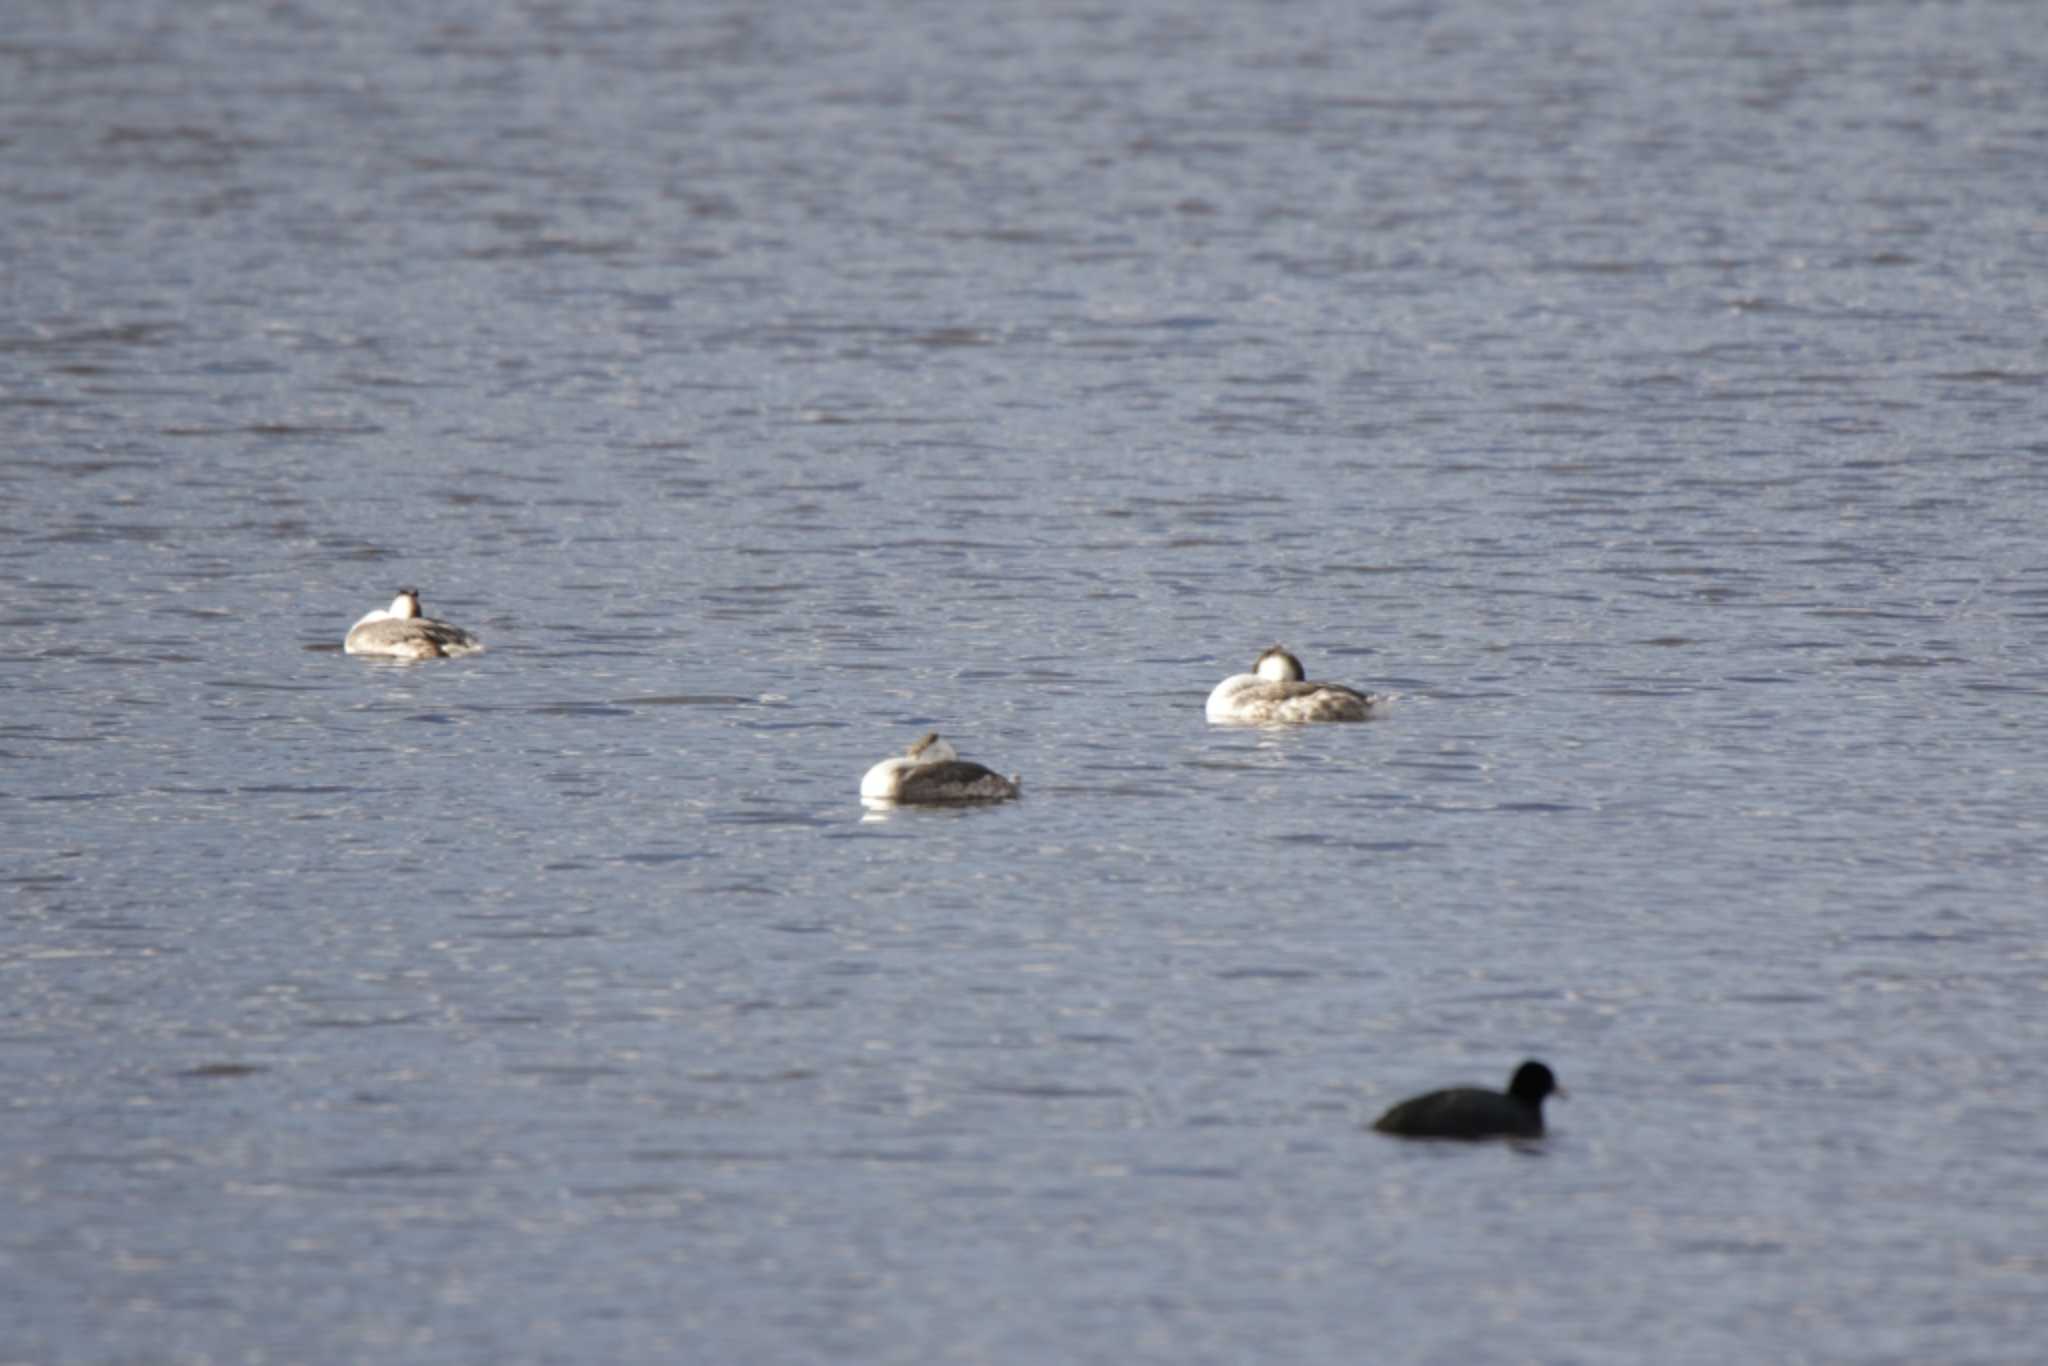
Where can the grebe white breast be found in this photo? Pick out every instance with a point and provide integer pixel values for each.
(400, 632)
(933, 771)
(1274, 692)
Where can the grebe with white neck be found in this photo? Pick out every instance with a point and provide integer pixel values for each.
(400, 632)
(1276, 693)
(933, 771)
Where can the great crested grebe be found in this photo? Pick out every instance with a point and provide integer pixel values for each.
(1274, 691)
(933, 771)
(400, 632)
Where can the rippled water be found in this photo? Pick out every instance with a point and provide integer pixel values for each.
(1652, 402)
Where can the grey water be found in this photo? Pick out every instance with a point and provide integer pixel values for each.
(1652, 401)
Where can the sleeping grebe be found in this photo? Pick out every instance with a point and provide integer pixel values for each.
(1274, 692)
(400, 632)
(933, 771)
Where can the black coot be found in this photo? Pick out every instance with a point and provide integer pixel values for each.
(1473, 1112)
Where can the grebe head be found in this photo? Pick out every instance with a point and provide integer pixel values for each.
(930, 749)
(406, 605)
(1278, 666)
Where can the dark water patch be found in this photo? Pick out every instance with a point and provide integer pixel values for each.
(717, 1157)
(154, 1160)
(742, 888)
(45, 401)
(274, 431)
(638, 1199)
(1731, 1247)
(101, 534)
(781, 1076)
(1372, 571)
(404, 1172)
(1905, 661)
(259, 685)
(753, 595)
(952, 545)
(1049, 1091)
(1947, 935)
(580, 649)
(781, 817)
(1440, 767)
(1649, 689)
(1869, 614)
(115, 924)
(224, 1071)
(140, 333)
(1121, 791)
(948, 338)
(565, 1074)
(375, 379)
(1504, 997)
(845, 419)
(1314, 839)
(2023, 689)
(549, 245)
(919, 1155)
(2026, 379)
(542, 932)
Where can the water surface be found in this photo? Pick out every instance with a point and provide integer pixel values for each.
(1651, 404)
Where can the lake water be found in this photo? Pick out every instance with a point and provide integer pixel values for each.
(1654, 401)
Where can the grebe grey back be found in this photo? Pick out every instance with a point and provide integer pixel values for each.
(401, 632)
(1275, 691)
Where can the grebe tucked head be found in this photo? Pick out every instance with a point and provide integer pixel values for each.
(930, 749)
(406, 605)
(1278, 666)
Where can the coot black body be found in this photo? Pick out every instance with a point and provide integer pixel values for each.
(1473, 1112)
